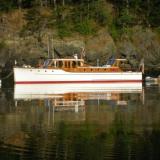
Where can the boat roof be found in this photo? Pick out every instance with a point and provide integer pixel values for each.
(80, 60)
(67, 59)
(121, 59)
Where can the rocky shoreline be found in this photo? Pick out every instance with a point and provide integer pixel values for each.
(141, 44)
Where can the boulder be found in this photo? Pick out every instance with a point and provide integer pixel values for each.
(101, 46)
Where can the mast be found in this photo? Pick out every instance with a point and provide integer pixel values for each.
(48, 47)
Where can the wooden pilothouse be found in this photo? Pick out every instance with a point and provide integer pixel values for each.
(78, 65)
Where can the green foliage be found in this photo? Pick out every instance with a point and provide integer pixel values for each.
(103, 17)
(84, 16)
(2, 45)
(154, 14)
(86, 27)
(125, 19)
(62, 21)
(36, 23)
(27, 3)
(157, 29)
(33, 18)
(114, 31)
(6, 5)
(88, 15)
(64, 30)
(102, 14)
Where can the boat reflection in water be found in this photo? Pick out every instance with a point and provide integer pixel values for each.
(43, 108)
(73, 97)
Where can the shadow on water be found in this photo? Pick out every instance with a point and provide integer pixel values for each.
(106, 126)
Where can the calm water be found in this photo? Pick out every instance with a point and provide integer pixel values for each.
(80, 124)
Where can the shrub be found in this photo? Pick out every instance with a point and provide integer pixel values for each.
(125, 19)
(114, 31)
(6, 5)
(85, 27)
(2, 45)
(64, 29)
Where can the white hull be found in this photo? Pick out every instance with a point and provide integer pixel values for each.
(41, 76)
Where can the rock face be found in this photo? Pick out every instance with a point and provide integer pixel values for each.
(147, 45)
(142, 44)
(127, 50)
(101, 46)
(98, 48)
(13, 45)
(68, 47)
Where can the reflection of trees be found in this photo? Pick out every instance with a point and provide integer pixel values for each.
(122, 133)
(88, 141)
(130, 143)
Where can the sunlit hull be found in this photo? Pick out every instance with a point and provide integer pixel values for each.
(49, 76)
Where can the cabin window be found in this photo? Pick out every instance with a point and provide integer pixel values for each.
(66, 64)
(60, 64)
(53, 64)
(79, 63)
(73, 64)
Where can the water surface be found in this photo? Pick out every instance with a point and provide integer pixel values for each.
(76, 122)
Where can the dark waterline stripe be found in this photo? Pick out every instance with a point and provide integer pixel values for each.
(60, 82)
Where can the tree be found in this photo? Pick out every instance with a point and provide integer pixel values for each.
(27, 3)
(6, 5)
(154, 14)
(36, 22)
(125, 19)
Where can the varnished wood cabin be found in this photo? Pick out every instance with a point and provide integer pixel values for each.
(78, 65)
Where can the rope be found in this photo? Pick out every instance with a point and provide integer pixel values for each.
(10, 74)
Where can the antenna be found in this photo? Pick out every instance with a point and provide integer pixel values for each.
(52, 48)
(97, 62)
(48, 46)
(82, 52)
(141, 66)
